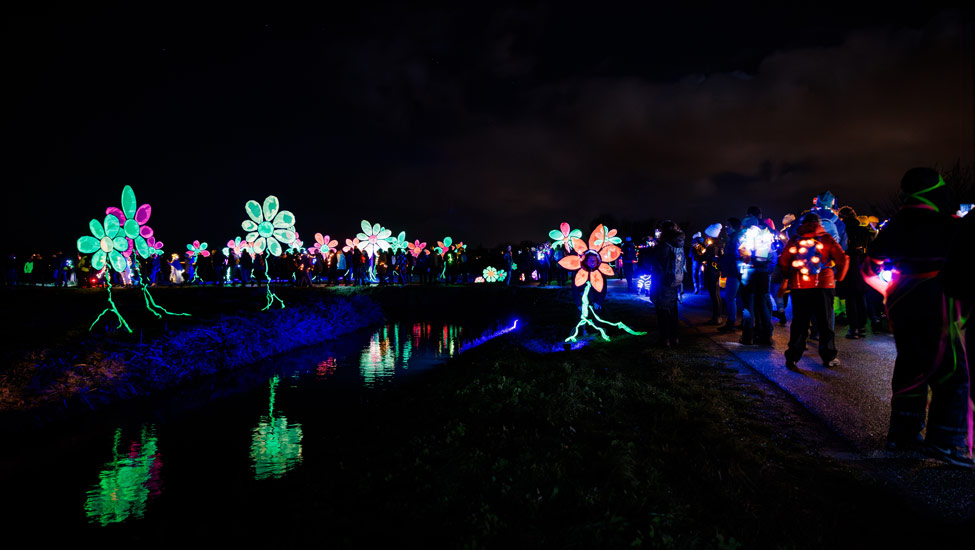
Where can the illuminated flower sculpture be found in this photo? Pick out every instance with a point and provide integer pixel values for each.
(373, 239)
(323, 244)
(271, 229)
(350, 245)
(494, 275)
(591, 263)
(113, 238)
(416, 248)
(398, 242)
(563, 236)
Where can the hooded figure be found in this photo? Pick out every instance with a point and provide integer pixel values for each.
(926, 321)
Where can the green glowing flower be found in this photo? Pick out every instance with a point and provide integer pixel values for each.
(269, 228)
(399, 242)
(106, 245)
(373, 238)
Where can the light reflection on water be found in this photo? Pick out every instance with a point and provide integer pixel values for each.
(275, 445)
(394, 345)
(127, 481)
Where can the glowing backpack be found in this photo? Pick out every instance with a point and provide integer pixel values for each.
(808, 258)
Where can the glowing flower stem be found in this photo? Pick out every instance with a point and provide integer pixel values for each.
(585, 320)
(271, 296)
(113, 309)
(617, 325)
(150, 301)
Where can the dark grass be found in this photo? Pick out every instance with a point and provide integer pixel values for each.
(613, 445)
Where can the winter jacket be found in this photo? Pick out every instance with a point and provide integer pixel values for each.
(813, 259)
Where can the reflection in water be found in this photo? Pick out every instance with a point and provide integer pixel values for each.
(326, 368)
(127, 481)
(392, 347)
(276, 446)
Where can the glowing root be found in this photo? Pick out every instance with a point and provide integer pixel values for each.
(151, 302)
(271, 296)
(113, 309)
(585, 320)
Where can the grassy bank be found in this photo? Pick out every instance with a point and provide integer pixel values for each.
(55, 366)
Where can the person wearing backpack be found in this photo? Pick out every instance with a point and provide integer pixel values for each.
(756, 257)
(667, 280)
(813, 261)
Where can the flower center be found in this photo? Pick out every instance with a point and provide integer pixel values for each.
(106, 244)
(265, 229)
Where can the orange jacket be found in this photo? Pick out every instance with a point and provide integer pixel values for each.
(801, 268)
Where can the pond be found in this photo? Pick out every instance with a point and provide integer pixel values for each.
(200, 448)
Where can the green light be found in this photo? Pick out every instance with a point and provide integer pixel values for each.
(269, 229)
(127, 482)
(275, 445)
(584, 320)
(112, 309)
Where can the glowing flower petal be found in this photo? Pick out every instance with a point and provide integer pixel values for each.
(111, 226)
(260, 245)
(120, 243)
(597, 237)
(88, 245)
(98, 260)
(284, 219)
(145, 232)
(564, 229)
(252, 237)
(606, 269)
(581, 277)
(96, 229)
(118, 261)
(571, 262)
(579, 246)
(142, 214)
(384, 234)
(248, 225)
(117, 212)
(253, 209)
(556, 235)
(610, 252)
(274, 247)
(128, 202)
(131, 229)
(271, 206)
(142, 247)
(596, 278)
(286, 236)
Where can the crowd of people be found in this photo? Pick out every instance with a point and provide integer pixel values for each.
(909, 275)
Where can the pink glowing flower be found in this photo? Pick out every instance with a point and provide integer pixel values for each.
(591, 261)
(563, 236)
(416, 248)
(197, 248)
(323, 244)
(350, 244)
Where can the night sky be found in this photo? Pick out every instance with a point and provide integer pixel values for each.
(487, 125)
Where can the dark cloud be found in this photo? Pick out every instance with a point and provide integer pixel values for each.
(486, 124)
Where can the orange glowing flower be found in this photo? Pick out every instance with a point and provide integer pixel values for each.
(591, 260)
